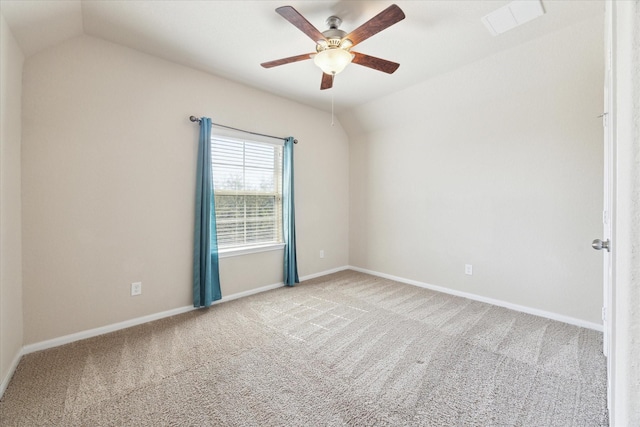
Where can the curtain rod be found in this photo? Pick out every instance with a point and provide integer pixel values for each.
(196, 119)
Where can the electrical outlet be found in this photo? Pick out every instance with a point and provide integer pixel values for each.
(468, 269)
(321, 253)
(136, 288)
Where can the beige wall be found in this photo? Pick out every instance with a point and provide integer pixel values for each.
(108, 184)
(11, 60)
(497, 164)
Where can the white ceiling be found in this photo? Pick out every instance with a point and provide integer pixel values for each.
(231, 38)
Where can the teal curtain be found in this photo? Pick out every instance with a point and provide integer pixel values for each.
(206, 276)
(289, 217)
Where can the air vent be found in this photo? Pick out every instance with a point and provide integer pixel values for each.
(512, 15)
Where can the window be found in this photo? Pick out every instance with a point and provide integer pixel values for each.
(247, 180)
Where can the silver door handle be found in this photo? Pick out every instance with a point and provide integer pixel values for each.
(599, 245)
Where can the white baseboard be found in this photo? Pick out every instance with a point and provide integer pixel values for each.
(324, 273)
(12, 370)
(249, 292)
(499, 303)
(66, 339)
(90, 333)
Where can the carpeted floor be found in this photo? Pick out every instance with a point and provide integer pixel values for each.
(343, 349)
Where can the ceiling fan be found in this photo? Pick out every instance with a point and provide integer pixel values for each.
(333, 46)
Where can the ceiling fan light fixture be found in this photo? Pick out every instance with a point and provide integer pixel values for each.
(333, 61)
(346, 44)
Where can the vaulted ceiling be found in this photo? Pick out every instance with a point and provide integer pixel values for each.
(231, 38)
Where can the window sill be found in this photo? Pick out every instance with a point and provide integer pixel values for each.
(245, 250)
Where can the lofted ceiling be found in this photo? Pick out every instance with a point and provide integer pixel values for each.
(231, 38)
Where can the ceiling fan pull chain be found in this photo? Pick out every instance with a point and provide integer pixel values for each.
(332, 108)
(332, 77)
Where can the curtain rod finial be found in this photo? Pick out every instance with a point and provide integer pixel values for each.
(194, 119)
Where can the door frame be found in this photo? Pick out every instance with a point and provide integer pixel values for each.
(608, 213)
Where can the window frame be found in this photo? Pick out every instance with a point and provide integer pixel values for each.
(248, 248)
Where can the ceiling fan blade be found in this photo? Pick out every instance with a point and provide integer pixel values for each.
(288, 60)
(375, 63)
(383, 20)
(327, 81)
(293, 16)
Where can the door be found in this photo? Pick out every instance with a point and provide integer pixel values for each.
(605, 244)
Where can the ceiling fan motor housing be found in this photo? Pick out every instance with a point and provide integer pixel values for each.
(333, 36)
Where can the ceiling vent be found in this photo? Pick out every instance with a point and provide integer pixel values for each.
(512, 15)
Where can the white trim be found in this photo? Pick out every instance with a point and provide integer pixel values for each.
(324, 273)
(12, 370)
(244, 250)
(233, 135)
(499, 303)
(249, 292)
(90, 333)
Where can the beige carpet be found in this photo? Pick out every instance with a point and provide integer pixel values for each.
(343, 349)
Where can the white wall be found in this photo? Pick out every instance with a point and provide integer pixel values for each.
(11, 60)
(108, 184)
(497, 164)
(626, 239)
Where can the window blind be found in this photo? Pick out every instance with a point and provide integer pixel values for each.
(247, 180)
